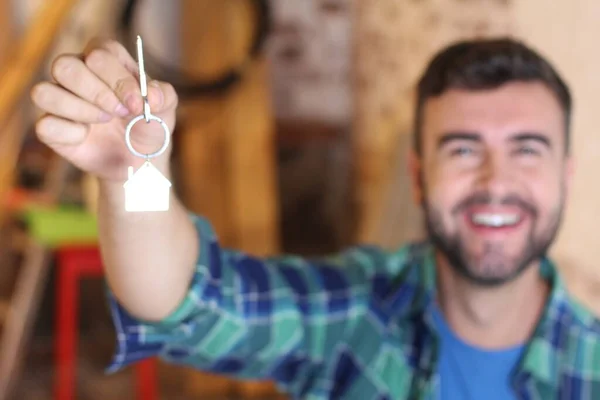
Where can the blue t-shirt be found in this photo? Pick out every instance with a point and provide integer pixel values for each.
(470, 373)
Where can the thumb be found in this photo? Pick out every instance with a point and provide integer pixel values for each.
(161, 96)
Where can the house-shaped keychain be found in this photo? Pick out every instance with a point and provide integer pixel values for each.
(146, 189)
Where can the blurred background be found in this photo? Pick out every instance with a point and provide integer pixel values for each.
(292, 135)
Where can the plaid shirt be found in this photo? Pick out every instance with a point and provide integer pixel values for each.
(354, 326)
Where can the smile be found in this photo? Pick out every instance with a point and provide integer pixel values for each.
(495, 220)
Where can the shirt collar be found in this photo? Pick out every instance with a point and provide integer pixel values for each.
(564, 320)
(562, 315)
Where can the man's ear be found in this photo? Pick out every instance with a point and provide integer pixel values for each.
(416, 176)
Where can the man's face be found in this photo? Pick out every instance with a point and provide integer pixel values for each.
(493, 178)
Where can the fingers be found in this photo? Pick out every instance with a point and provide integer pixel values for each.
(108, 78)
(55, 131)
(122, 55)
(117, 49)
(71, 73)
(161, 96)
(99, 85)
(57, 101)
(114, 75)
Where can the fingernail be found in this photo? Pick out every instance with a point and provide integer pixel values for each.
(130, 102)
(121, 110)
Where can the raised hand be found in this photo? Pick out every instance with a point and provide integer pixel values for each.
(88, 105)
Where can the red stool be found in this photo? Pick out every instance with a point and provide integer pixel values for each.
(75, 263)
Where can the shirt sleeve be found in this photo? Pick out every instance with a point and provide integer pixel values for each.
(274, 318)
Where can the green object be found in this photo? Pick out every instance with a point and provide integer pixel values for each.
(61, 226)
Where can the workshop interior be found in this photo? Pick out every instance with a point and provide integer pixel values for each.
(293, 129)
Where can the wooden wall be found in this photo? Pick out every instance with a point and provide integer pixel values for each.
(394, 40)
(567, 31)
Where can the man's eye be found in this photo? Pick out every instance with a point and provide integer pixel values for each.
(527, 150)
(462, 151)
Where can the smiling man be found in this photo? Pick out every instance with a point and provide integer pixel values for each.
(499, 166)
(477, 311)
(493, 168)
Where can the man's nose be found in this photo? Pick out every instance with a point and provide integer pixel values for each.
(496, 175)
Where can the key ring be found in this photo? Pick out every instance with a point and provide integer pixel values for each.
(146, 115)
(146, 189)
(149, 117)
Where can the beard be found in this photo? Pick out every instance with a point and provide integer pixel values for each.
(493, 268)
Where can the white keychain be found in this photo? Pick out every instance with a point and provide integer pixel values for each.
(146, 189)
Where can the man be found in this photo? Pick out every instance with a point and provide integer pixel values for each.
(476, 312)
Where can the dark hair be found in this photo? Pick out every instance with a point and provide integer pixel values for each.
(487, 64)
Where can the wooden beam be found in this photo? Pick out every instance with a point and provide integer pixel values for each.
(21, 315)
(378, 111)
(203, 174)
(252, 165)
(29, 52)
(9, 131)
(227, 154)
(26, 56)
(251, 160)
(201, 142)
(251, 152)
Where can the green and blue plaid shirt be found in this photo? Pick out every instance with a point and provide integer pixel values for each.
(354, 326)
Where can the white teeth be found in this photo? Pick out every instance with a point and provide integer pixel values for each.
(495, 220)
